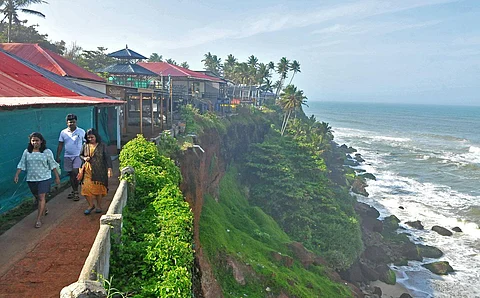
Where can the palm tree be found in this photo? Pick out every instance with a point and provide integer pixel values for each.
(295, 67)
(212, 63)
(282, 70)
(171, 61)
(185, 65)
(154, 57)
(290, 100)
(10, 9)
(229, 66)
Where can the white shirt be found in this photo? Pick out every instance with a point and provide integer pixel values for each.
(72, 140)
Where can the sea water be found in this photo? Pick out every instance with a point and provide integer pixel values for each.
(426, 159)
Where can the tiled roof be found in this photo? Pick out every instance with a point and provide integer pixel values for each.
(49, 60)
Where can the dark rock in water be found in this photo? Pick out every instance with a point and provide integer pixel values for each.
(415, 224)
(427, 251)
(409, 250)
(401, 207)
(351, 162)
(405, 295)
(360, 170)
(442, 231)
(359, 158)
(346, 149)
(358, 187)
(367, 176)
(457, 229)
(390, 223)
(365, 210)
(440, 268)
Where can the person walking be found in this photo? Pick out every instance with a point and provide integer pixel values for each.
(71, 138)
(39, 163)
(96, 170)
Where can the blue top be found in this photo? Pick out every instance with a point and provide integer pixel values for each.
(38, 165)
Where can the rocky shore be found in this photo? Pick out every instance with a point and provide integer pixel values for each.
(386, 242)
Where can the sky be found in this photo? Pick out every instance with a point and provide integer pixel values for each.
(404, 51)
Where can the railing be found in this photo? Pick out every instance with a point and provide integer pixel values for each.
(97, 266)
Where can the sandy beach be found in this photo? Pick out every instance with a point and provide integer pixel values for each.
(390, 291)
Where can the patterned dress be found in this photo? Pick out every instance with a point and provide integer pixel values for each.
(95, 175)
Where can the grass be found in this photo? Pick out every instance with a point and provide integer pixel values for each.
(231, 229)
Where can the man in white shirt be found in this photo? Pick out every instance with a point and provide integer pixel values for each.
(71, 138)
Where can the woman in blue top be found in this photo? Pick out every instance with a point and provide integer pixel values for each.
(38, 162)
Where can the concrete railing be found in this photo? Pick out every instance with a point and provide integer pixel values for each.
(97, 266)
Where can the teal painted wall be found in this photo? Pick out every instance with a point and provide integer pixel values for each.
(15, 126)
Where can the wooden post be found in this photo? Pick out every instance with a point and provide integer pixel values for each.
(141, 113)
(152, 112)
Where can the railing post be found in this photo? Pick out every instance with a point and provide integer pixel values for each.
(128, 174)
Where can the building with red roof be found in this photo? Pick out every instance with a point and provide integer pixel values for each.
(33, 99)
(188, 86)
(55, 63)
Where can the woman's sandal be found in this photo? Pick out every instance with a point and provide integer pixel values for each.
(88, 211)
(38, 224)
(46, 212)
(71, 195)
(98, 210)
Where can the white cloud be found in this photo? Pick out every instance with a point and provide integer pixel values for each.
(287, 18)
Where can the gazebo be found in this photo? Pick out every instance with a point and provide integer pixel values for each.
(141, 91)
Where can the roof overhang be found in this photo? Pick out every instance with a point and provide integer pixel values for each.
(13, 103)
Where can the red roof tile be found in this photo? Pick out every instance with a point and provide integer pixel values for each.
(165, 69)
(29, 102)
(49, 60)
(16, 79)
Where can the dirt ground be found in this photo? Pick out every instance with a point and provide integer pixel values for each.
(40, 262)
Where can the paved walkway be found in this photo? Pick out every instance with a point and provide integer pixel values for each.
(40, 262)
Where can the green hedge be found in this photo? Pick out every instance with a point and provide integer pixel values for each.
(155, 257)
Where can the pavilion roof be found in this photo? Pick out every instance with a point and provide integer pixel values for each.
(126, 54)
(128, 69)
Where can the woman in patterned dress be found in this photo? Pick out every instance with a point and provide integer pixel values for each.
(38, 162)
(96, 170)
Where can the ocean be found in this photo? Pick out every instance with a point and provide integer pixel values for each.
(427, 160)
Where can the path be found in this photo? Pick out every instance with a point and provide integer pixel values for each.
(40, 262)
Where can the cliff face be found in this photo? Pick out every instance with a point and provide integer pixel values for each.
(202, 172)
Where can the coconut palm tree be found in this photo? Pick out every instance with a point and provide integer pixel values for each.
(212, 63)
(155, 57)
(290, 100)
(282, 70)
(229, 66)
(185, 65)
(295, 67)
(10, 9)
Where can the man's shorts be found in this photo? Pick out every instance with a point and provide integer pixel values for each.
(39, 187)
(70, 163)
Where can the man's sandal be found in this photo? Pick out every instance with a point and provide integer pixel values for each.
(76, 197)
(71, 195)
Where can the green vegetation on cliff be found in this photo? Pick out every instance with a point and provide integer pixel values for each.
(249, 252)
